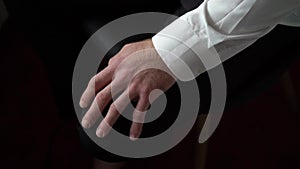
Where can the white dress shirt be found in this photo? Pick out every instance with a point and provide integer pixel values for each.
(217, 30)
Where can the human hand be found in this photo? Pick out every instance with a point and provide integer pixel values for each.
(133, 74)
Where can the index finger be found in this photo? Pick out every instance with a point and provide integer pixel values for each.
(96, 83)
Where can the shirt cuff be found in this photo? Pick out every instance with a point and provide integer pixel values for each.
(186, 53)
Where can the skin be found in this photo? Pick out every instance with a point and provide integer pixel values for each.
(132, 74)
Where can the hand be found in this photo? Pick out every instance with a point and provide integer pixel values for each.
(132, 74)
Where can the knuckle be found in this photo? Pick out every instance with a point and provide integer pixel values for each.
(113, 60)
(138, 116)
(100, 97)
(128, 45)
(92, 81)
(107, 123)
(110, 60)
(145, 90)
(83, 98)
(113, 109)
(133, 87)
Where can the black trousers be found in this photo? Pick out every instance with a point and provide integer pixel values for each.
(248, 73)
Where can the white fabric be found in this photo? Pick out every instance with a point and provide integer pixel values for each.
(219, 29)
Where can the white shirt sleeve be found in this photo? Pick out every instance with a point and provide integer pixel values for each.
(215, 31)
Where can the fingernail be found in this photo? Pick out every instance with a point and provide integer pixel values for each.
(100, 133)
(82, 104)
(85, 124)
(133, 137)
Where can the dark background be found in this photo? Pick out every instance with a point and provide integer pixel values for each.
(39, 44)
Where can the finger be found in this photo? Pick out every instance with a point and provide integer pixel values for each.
(95, 84)
(138, 118)
(98, 105)
(113, 114)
